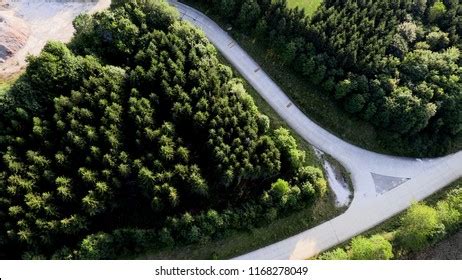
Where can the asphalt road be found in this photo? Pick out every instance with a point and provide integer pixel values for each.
(384, 185)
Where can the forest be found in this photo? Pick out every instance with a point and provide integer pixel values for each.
(134, 136)
(393, 63)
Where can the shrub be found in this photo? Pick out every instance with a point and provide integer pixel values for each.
(280, 188)
(337, 254)
(418, 226)
(374, 248)
(96, 247)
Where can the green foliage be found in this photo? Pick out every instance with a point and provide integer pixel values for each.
(134, 136)
(337, 254)
(421, 225)
(280, 188)
(249, 14)
(311, 179)
(438, 40)
(436, 11)
(310, 6)
(373, 248)
(418, 226)
(360, 53)
(450, 210)
(355, 103)
(97, 247)
(291, 157)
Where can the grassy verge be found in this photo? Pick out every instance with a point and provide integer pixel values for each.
(394, 222)
(310, 6)
(391, 225)
(315, 103)
(240, 242)
(318, 105)
(312, 100)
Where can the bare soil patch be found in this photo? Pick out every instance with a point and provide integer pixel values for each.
(13, 35)
(26, 26)
(447, 249)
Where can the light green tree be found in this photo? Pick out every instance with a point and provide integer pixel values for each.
(375, 247)
(418, 225)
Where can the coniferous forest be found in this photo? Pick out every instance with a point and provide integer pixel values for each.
(133, 136)
(394, 63)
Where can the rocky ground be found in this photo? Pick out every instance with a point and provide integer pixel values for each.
(14, 33)
(26, 26)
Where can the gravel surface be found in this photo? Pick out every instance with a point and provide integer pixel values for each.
(45, 20)
(14, 33)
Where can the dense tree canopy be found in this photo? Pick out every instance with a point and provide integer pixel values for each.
(395, 64)
(135, 129)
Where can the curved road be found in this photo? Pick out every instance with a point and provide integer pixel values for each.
(384, 185)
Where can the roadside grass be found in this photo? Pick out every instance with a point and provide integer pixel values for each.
(315, 103)
(388, 227)
(310, 6)
(312, 100)
(393, 223)
(236, 243)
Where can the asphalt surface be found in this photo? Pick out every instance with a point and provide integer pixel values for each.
(384, 185)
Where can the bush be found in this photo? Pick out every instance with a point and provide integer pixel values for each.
(165, 238)
(450, 210)
(448, 216)
(291, 157)
(436, 11)
(308, 190)
(337, 254)
(280, 188)
(97, 247)
(311, 175)
(418, 226)
(373, 248)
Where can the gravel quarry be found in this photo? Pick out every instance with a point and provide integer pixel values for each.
(26, 26)
(14, 33)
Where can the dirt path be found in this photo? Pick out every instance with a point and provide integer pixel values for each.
(46, 20)
(447, 249)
